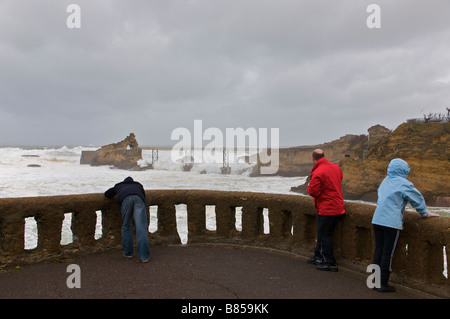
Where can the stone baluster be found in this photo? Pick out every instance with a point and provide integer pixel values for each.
(196, 221)
(252, 221)
(280, 222)
(49, 225)
(83, 227)
(111, 225)
(225, 219)
(12, 232)
(167, 223)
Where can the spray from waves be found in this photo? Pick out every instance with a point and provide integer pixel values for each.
(203, 163)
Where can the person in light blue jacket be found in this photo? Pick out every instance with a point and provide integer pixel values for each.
(393, 194)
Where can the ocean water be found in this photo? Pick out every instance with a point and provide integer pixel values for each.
(60, 173)
(46, 171)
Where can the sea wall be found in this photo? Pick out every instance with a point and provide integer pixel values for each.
(418, 262)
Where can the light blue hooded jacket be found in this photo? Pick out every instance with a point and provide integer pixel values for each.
(394, 193)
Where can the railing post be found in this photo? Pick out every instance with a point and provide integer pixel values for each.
(111, 225)
(167, 223)
(196, 221)
(280, 222)
(252, 221)
(49, 225)
(433, 259)
(12, 233)
(305, 232)
(225, 219)
(83, 226)
(421, 260)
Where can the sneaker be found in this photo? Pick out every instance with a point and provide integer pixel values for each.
(127, 256)
(145, 260)
(384, 284)
(385, 288)
(314, 261)
(327, 267)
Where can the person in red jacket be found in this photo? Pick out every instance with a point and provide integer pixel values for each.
(325, 186)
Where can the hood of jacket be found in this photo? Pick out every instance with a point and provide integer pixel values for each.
(398, 168)
(128, 180)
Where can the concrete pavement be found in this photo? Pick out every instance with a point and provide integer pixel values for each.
(192, 272)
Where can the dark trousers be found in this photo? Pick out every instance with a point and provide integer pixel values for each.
(324, 247)
(386, 239)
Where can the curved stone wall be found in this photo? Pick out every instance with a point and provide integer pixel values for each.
(419, 262)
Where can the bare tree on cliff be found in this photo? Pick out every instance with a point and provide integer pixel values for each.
(437, 117)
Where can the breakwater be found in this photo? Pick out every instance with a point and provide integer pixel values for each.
(419, 262)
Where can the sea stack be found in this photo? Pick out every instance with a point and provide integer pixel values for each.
(123, 155)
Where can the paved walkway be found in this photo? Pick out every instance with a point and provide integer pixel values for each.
(192, 272)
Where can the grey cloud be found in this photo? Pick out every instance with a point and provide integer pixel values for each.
(152, 66)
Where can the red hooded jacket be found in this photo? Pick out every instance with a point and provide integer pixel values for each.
(325, 186)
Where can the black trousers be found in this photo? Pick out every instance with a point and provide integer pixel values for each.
(324, 247)
(386, 239)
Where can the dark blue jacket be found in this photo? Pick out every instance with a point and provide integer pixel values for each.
(125, 188)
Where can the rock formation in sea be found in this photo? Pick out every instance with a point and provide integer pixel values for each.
(124, 154)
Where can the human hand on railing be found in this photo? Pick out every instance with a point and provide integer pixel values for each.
(431, 215)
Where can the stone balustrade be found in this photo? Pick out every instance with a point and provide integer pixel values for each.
(420, 259)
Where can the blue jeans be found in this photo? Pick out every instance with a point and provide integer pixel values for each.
(134, 206)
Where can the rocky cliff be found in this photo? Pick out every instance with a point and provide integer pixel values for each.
(297, 161)
(124, 154)
(423, 145)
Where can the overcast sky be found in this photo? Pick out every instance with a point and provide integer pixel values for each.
(311, 68)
